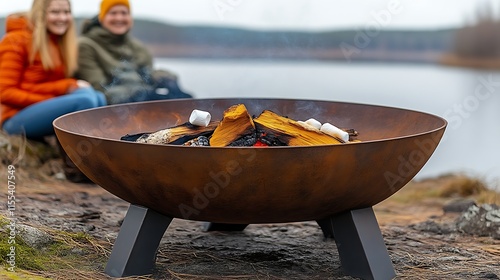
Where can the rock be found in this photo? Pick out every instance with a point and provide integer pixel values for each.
(481, 220)
(78, 251)
(489, 275)
(452, 259)
(60, 176)
(458, 206)
(90, 215)
(431, 226)
(33, 237)
(89, 228)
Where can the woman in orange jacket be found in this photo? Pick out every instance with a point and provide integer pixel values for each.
(38, 56)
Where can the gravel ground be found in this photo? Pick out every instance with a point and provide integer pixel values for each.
(421, 240)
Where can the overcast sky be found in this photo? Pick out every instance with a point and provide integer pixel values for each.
(292, 14)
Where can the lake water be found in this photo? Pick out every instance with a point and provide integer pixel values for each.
(468, 99)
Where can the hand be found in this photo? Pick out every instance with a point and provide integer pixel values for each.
(82, 84)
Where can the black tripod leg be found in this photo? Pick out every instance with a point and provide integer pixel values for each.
(223, 227)
(360, 244)
(134, 251)
(326, 227)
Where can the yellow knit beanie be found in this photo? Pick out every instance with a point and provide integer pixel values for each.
(108, 4)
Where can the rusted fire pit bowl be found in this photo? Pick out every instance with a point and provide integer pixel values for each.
(251, 185)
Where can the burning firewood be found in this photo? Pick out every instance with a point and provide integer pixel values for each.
(236, 126)
(176, 135)
(352, 134)
(201, 141)
(276, 130)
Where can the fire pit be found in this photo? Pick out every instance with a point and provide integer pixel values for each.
(336, 185)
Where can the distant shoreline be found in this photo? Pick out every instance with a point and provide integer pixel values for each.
(333, 55)
(342, 46)
(470, 62)
(205, 52)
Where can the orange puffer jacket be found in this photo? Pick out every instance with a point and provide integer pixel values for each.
(21, 83)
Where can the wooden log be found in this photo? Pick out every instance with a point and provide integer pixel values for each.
(236, 123)
(176, 135)
(279, 130)
(238, 128)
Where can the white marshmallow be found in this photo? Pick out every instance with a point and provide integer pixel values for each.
(332, 130)
(200, 118)
(307, 126)
(314, 123)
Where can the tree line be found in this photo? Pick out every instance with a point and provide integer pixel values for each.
(167, 40)
(481, 37)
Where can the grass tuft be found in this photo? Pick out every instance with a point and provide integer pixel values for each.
(69, 250)
(446, 187)
(462, 186)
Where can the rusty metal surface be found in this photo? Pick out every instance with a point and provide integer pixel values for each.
(251, 185)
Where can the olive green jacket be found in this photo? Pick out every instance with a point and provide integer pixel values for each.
(117, 65)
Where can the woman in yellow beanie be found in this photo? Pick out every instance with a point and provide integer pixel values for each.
(108, 4)
(119, 65)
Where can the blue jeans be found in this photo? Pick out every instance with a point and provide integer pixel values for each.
(36, 120)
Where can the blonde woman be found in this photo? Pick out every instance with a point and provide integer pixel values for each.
(38, 56)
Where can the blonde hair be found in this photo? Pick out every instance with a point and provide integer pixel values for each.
(67, 44)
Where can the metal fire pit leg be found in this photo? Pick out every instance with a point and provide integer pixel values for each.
(360, 244)
(207, 226)
(134, 251)
(326, 227)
